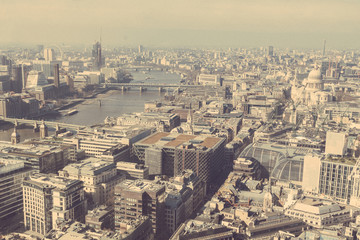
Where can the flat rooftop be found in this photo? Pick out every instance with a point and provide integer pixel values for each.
(175, 139)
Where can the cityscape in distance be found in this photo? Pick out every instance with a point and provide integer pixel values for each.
(179, 120)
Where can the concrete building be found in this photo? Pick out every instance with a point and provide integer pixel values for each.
(318, 213)
(99, 177)
(100, 218)
(35, 79)
(328, 177)
(49, 54)
(336, 143)
(98, 145)
(135, 198)
(172, 153)
(210, 79)
(41, 158)
(133, 170)
(12, 174)
(50, 201)
(163, 122)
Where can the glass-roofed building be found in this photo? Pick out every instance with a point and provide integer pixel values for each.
(279, 163)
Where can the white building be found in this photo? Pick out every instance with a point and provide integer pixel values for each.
(99, 177)
(49, 201)
(311, 92)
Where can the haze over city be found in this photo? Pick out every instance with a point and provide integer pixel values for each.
(187, 23)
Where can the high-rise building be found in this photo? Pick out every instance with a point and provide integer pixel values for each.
(140, 49)
(270, 51)
(49, 54)
(56, 76)
(50, 201)
(328, 177)
(16, 78)
(12, 174)
(97, 57)
(136, 198)
(99, 177)
(171, 153)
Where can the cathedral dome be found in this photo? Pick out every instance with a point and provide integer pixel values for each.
(315, 76)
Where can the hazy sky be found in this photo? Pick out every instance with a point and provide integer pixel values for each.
(167, 23)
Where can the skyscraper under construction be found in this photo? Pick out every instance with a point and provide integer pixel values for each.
(97, 58)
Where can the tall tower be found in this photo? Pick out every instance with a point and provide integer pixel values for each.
(271, 51)
(16, 78)
(49, 54)
(56, 76)
(96, 54)
(324, 48)
(43, 130)
(15, 137)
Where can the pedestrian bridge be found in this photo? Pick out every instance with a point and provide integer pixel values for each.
(37, 123)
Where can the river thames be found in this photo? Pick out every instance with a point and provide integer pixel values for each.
(113, 103)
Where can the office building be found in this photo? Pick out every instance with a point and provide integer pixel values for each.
(49, 54)
(328, 177)
(270, 52)
(98, 145)
(50, 201)
(336, 143)
(99, 177)
(12, 174)
(97, 57)
(42, 158)
(133, 170)
(136, 198)
(171, 153)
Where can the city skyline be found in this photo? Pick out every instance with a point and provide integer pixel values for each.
(160, 23)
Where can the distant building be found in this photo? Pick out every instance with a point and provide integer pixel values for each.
(50, 201)
(270, 52)
(49, 54)
(209, 79)
(97, 56)
(36, 79)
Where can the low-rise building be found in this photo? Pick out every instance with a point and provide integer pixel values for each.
(133, 170)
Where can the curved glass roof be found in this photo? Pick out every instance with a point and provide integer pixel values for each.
(288, 170)
(266, 156)
(280, 163)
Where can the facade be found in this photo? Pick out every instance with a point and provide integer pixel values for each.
(96, 145)
(328, 177)
(36, 79)
(171, 153)
(97, 57)
(136, 198)
(49, 201)
(99, 177)
(12, 174)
